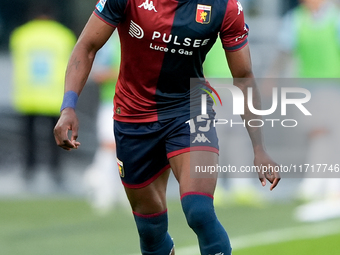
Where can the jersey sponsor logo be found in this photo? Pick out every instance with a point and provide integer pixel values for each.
(120, 168)
(169, 39)
(201, 138)
(240, 8)
(135, 30)
(100, 5)
(148, 6)
(176, 40)
(203, 13)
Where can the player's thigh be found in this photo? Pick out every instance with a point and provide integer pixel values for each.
(184, 165)
(151, 198)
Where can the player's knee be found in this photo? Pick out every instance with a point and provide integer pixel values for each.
(153, 233)
(198, 209)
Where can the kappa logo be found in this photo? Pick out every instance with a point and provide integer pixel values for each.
(135, 30)
(148, 6)
(201, 138)
(240, 8)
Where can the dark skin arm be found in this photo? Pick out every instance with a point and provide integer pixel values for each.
(92, 38)
(241, 69)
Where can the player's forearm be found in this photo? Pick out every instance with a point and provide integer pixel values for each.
(255, 133)
(79, 67)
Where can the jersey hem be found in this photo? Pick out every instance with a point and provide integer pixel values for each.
(135, 119)
(194, 148)
(147, 182)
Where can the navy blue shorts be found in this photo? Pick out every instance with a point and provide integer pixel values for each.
(144, 149)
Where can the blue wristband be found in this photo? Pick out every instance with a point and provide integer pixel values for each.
(70, 100)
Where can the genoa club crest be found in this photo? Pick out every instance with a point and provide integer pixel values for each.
(120, 168)
(203, 13)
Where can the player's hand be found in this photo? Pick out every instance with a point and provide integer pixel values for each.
(266, 165)
(68, 121)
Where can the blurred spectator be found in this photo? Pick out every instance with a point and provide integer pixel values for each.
(102, 181)
(310, 35)
(40, 51)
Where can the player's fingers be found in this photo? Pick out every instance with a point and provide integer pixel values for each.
(275, 182)
(68, 144)
(74, 130)
(270, 176)
(75, 144)
(74, 136)
(65, 147)
(62, 139)
(262, 179)
(59, 136)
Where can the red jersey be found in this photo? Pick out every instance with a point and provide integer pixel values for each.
(163, 45)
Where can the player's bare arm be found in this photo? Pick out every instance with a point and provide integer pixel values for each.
(240, 66)
(93, 37)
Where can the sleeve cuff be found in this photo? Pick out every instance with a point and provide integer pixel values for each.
(236, 47)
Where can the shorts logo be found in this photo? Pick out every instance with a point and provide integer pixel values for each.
(135, 30)
(203, 13)
(100, 5)
(120, 168)
(201, 138)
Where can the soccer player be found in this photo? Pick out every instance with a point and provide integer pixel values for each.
(163, 45)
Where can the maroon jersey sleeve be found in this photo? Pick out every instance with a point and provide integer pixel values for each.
(234, 31)
(110, 11)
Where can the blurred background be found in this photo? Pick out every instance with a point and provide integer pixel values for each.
(47, 212)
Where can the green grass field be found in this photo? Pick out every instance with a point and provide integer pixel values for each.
(70, 227)
(329, 245)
